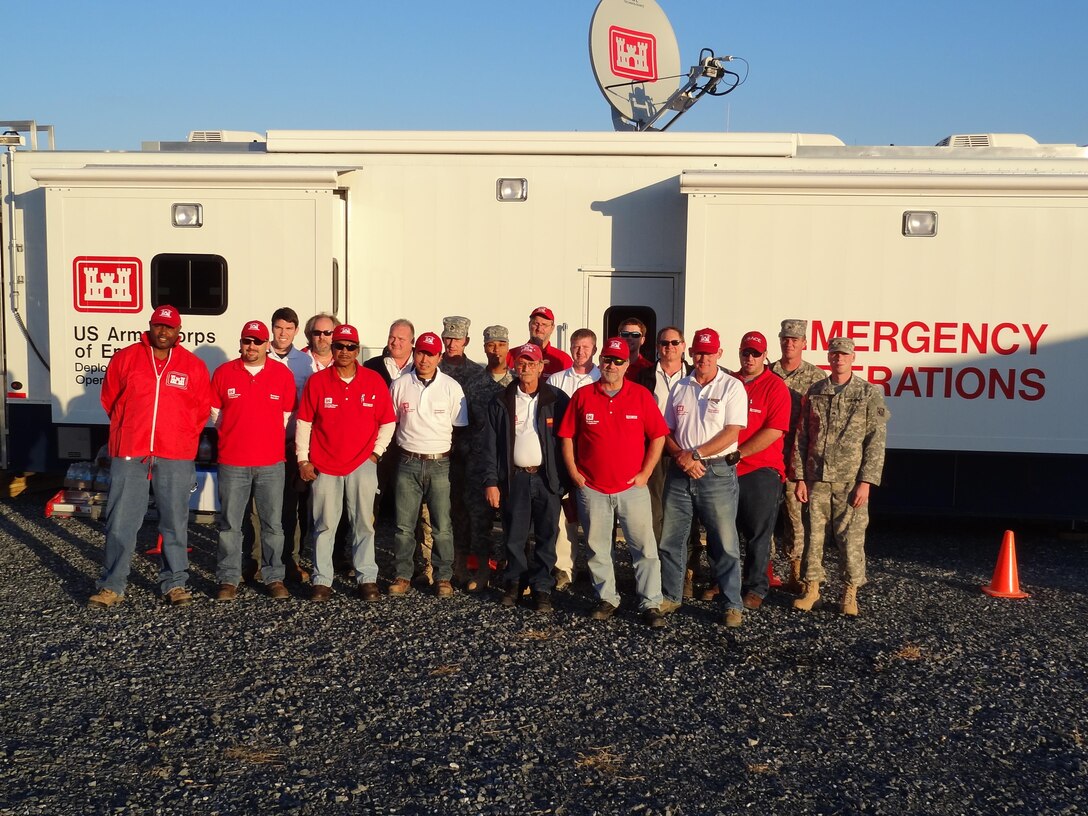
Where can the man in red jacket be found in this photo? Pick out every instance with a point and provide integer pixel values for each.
(158, 398)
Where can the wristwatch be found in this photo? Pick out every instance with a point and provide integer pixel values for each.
(696, 455)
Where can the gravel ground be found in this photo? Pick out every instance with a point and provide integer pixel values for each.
(938, 699)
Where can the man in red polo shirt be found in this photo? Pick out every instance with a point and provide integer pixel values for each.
(612, 436)
(252, 400)
(541, 326)
(762, 468)
(345, 422)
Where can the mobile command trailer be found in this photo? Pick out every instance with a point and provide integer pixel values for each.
(973, 330)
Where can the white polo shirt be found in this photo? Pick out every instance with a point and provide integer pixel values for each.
(427, 414)
(663, 384)
(568, 381)
(696, 413)
(394, 370)
(527, 452)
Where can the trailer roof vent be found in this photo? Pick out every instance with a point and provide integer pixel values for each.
(225, 136)
(988, 140)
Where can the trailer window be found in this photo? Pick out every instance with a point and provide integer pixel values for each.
(195, 284)
(615, 315)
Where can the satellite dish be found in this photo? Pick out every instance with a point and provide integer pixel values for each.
(635, 59)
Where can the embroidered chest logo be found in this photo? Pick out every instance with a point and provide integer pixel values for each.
(591, 419)
(175, 379)
(232, 393)
(329, 402)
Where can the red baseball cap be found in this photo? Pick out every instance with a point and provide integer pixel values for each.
(166, 316)
(345, 333)
(616, 347)
(543, 311)
(754, 340)
(530, 350)
(708, 342)
(429, 342)
(255, 329)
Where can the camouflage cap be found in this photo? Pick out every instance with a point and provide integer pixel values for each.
(455, 327)
(794, 328)
(496, 334)
(843, 345)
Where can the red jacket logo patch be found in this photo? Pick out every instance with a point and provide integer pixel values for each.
(176, 379)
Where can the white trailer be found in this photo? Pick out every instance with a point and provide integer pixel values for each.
(971, 330)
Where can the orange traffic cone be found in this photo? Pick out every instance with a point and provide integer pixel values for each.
(774, 579)
(1006, 580)
(157, 549)
(472, 563)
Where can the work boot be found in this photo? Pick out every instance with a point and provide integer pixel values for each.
(510, 595)
(795, 586)
(849, 605)
(809, 599)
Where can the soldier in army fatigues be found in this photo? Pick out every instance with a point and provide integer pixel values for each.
(799, 375)
(838, 456)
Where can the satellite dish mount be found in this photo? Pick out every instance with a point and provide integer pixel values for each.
(636, 62)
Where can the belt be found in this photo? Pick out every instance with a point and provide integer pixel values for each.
(427, 457)
(532, 469)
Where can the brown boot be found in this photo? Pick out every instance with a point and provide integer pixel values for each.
(795, 586)
(849, 605)
(809, 599)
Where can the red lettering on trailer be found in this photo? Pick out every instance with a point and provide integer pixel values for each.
(108, 284)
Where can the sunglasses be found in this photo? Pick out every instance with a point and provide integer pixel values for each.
(252, 341)
(345, 346)
(616, 361)
(669, 342)
(626, 335)
(327, 333)
(751, 353)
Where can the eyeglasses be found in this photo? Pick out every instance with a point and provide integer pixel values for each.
(345, 346)
(316, 332)
(751, 353)
(616, 361)
(252, 341)
(669, 342)
(626, 335)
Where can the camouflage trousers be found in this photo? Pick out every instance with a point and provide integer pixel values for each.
(789, 539)
(471, 515)
(829, 510)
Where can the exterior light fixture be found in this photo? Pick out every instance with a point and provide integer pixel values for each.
(919, 224)
(187, 215)
(512, 189)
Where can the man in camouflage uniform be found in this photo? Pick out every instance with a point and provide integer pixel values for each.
(799, 375)
(839, 455)
(467, 503)
(496, 347)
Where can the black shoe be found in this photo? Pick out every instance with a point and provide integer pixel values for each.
(653, 618)
(543, 602)
(510, 596)
(602, 611)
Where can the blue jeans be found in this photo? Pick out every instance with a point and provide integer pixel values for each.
(329, 492)
(130, 480)
(714, 499)
(632, 506)
(236, 484)
(418, 481)
(527, 503)
(757, 511)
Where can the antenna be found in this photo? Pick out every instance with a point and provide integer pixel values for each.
(636, 62)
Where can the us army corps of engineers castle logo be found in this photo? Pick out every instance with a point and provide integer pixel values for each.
(108, 284)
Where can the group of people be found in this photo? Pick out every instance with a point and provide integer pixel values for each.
(559, 444)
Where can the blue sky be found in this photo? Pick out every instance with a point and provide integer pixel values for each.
(113, 74)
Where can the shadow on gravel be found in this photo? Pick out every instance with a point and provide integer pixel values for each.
(73, 578)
